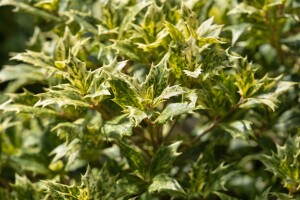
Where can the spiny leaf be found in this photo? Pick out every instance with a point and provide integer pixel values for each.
(134, 158)
(127, 49)
(224, 196)
(21, 71)
(135, 114)
(60, 53)
(153, 20)
(268, 100)
(25, 189)
(157, 77)
(174, 33)
(163, 183)
(239, 129)
(169, 92)
(237, 31)
(130, 16)
(195, 73)
(30, 9)
(204, 27)
(117, 127)
(125, 92)
(163, 159)
(60, 191)
(284, 164)
(174, 109)
(61, 98)
(19, 108)
(35, 58)
(79, 17)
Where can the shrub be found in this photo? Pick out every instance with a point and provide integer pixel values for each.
(153, 100)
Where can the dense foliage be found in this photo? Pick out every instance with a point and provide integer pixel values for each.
(153, 99)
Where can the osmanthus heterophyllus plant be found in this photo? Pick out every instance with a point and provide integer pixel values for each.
(146, 100)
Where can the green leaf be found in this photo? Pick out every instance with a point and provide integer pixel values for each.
(19, 108)
(83, 20)
(30, 9)
(100, 185)
(157, 77)
(125, 91)
(61, 191)
(153, 20)
(60, 52)
(135, 114)
(134, 158)
(160, 41)
(130, 16)
(243, 8)
(204, 27)
(61, 98)
(285, 163)
(118, 127)
(174, 109)
(195, 73)
(268, 100)
(163, 159)
(35, 58)
(163, 183)
(237, 31)
(264, 195)
(239, 129)
(25, 189)
(175, 34)
(169, 92)
(224, 196)
(21, 72)
(126, 48)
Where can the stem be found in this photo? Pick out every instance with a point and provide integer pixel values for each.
(139, 132)
(146, 153)
(217, 121)
(97, 108)
(159, 134)
(171, 129)
(151, 130)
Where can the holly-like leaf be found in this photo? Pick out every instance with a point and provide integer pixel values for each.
(224, 196)
(118, 127)
(163, 159)
(30, 9)
(169, 92)
(174, 109)
(239, 129)
(204, 27)
(175, 34)
(134, 158)
(195, 73)
(163, 183)
(268, 100)
(157, 77)
(237, 31)
(61, 98)
(125, 91)
(135, 114)
(25, 189)
(130, 16)
(153, 20)
(8, 106)
(285, 163)
(35, 58)
(21, 72)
